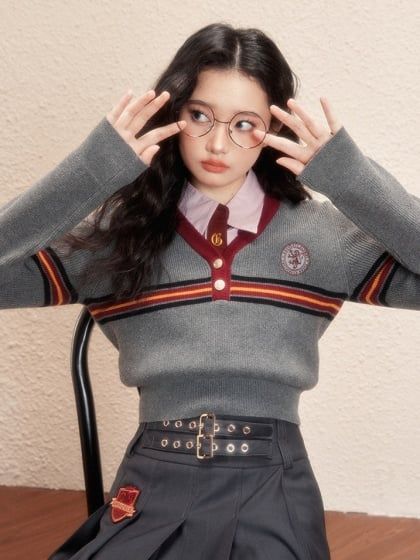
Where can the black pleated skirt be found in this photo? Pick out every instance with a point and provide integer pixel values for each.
(221, 508)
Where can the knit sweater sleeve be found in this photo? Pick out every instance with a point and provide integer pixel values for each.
(368, 195)
(373, 275)
(376, 221)
(34, 273)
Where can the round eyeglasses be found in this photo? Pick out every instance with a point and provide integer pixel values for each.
(200, 120)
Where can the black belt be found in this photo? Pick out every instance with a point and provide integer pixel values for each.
(207, 436)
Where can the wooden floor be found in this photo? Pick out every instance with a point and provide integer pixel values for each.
(35, 521)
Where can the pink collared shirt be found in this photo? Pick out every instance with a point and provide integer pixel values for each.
(245, 207)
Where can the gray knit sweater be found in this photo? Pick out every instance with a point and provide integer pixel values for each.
(235, 333)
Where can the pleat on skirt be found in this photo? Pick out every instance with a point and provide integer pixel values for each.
(220, 508)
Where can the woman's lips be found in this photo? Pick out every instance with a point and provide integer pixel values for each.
(213, 168)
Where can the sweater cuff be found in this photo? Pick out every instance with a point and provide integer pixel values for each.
(337, 167)
(107, 155)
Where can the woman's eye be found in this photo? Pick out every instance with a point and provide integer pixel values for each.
(248, 125)
(196, 112)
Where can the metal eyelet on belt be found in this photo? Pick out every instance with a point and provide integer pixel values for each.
(163, 442)
(192, 424)
(246, 429)
(230, 447)
(244, 447)
(178, 423)
(166, 422)
(231, 428)
(189, 444)
(176, 443)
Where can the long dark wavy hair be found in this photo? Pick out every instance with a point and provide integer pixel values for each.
(141, 216)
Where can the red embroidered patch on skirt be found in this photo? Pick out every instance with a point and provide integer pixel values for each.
(122, 505)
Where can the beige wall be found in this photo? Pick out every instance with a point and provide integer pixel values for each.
(63, 64)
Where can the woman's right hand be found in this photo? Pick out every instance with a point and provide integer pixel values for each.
(129, 117)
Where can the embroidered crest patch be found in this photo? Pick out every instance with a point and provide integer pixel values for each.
(122, 505)
(295, 258)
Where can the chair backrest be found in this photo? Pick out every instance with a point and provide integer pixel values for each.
(86, 415)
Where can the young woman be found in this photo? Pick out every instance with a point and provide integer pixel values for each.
(183, 224)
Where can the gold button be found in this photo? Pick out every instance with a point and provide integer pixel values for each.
(218, 263)
(219, 284)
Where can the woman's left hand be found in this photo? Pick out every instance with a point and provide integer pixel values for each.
(313, 133)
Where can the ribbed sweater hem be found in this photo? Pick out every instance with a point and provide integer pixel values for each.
(251, 397)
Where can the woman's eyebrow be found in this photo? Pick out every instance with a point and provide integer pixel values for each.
(213, 107)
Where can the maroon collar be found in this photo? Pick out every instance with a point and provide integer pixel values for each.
(202, 246)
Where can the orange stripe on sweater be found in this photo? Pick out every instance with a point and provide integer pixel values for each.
(170, 295)
(290, 294)
(374, 286)
(53, 277)
(317, 302)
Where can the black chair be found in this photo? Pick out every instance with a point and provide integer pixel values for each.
(86, 414)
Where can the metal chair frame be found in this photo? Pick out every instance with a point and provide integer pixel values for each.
(91, 456)
(86, 414)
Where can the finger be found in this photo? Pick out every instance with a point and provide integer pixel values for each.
(294, 166)
(131, 109)
(313, 126)
(283, 144)
(118, 108)
(149, 153)
(293, 123)
(141, 112)
(158, 134)
(333, 122)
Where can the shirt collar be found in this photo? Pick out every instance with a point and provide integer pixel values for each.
(244, 207)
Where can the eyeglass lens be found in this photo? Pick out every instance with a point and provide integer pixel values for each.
(199, 119)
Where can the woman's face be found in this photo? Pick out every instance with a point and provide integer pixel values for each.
(227, 92)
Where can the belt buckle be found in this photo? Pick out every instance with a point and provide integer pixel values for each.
(212, 416)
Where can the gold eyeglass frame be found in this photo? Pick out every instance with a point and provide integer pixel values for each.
(177, 113)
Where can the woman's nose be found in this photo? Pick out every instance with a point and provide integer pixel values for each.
(218, 137)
